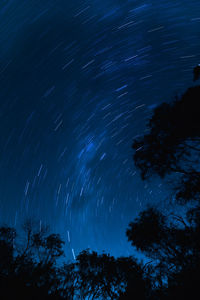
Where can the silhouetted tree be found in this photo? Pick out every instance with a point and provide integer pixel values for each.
(98, 276)
(104, 277)
(29, 270)
(172, 144)
(196, 73)
(22, 274)
(7, 238)
(172, 147)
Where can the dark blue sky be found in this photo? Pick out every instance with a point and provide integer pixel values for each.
(78, 81)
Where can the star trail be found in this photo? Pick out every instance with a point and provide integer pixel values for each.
(78, 81)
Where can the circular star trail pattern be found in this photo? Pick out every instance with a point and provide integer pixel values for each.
(78, 81)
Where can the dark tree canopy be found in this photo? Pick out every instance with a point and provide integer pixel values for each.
(23, 273)
(196, 73)
(30, 270)
(174, 130)
(101, 276)
(143, 236)
(171, 241)
(172, 144)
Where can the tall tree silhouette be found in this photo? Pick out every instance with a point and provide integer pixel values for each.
(23, 274)
(196, 73)
(172, 144)
(172, 147)
(104, 277)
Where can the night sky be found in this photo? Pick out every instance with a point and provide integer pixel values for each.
(78, 81)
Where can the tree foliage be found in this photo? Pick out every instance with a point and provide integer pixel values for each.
(172, 144)
(172, 147)
(30, 270)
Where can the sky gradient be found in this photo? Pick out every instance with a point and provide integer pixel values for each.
(78, 81)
